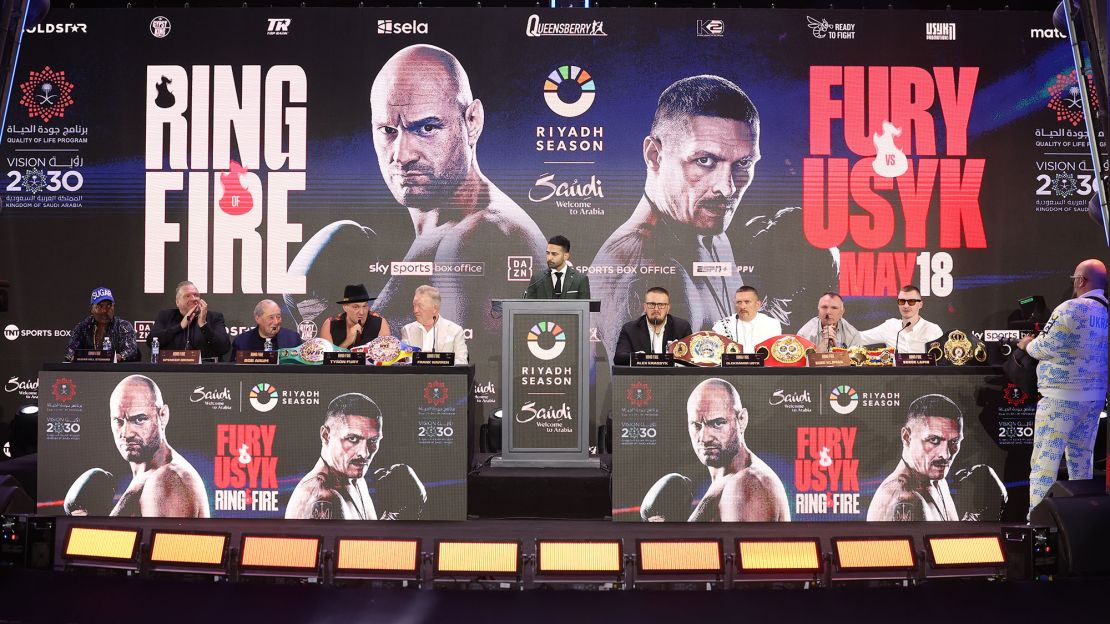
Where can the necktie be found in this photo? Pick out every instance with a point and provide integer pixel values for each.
(558, 283)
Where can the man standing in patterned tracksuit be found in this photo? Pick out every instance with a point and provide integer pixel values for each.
(1071, 378)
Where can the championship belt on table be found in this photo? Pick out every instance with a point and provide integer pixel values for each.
(385, 350)
(703, 349)
(958, 349)
(310, 351)
(869, 357)
(785, 350)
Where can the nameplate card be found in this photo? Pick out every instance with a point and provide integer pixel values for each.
(100, 356)
(344, 358)
(179, 356)
(915, 359)
(652, 359)
(433, 358)
(835, 358)
(729, 360)
(256, 357)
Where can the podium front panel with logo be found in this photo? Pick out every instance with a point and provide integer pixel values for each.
(250, 439)
(545, 410)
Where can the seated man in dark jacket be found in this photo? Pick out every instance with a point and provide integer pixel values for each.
(191, 325)
(102, 323)
(652, 332)
(267, 322)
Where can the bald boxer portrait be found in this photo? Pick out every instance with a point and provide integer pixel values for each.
(163, 482)
(918, 488)
(336, 487)
(742, 489)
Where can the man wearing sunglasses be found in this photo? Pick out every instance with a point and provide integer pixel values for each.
(1071, 377)
(102, 323)
(908, 334)
(652, 332)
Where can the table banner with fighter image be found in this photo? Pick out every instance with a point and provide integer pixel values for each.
(253, 445)
(715, 446)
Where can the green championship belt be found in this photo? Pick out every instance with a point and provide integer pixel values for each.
(310, 351)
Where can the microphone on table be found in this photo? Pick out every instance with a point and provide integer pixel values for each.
(898, 338)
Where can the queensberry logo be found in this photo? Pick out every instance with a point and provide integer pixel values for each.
(535, 28)
(390, 27)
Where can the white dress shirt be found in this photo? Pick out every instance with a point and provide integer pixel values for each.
(748, 333)
(445, 336)
(913, 340)
(657, 339)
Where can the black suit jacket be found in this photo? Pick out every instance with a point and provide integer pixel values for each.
(634, 337)
(575, 286)
(212, 339)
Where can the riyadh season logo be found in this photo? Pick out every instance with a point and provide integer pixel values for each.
(263, 397)
(160, 27)
(574, 82)
(46, 94)
(546, 333)
(843, 399)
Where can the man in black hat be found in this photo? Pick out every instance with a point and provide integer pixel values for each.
(191, 325)
(356, 325)
(100, 324)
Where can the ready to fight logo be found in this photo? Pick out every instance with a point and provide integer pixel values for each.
(46, 94)
(546, 340)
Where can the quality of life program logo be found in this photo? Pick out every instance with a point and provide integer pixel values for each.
(46, 94)
(571, 80)
(546, 340)
(435, 393)
(263, 397)
(64, 390)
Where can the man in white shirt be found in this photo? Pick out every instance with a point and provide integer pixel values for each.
(748, 326)
(430, 331)
(908, 334)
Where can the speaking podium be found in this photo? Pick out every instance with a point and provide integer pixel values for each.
(545, 377)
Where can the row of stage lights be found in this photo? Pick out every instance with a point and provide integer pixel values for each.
(551, 561)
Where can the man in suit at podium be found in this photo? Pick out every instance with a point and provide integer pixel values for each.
(652, 332)
(559, 281)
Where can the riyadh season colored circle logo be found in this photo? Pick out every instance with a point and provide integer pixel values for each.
(263, 397)
(571, 80)
(546, 333)
(844, 399)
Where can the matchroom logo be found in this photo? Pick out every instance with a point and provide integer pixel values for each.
(573, 82)
(546, 340)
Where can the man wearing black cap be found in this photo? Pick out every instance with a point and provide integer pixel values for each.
(100, 324)
(356, 325)
(191, 325)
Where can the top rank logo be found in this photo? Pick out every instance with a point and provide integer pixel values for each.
(46, 94)
(534, 28)
(278, 26)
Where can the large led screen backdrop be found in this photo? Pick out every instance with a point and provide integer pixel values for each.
(253, 445)
(283, 154)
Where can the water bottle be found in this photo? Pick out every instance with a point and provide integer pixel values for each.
(154, 351)
(269, 345)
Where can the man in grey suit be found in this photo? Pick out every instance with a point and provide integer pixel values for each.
(559, 281)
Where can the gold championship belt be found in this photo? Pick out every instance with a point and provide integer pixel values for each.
(703, 349)
(384, 351)
(958, 349)
(311, 352)
(860, 356)
(785, 350)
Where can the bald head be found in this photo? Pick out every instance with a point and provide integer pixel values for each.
(426, 126)
(1089, 275)
(716, 421)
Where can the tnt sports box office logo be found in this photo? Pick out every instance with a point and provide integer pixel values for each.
(13, 332)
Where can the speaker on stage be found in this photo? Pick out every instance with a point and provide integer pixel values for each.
(1081, 511)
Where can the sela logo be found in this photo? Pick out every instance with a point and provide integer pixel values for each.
(48, 29)
(940, 31)
(278, 26)
(712, 269)
(844, 399)
(263, 397)
(160, 27)
(411, 268)
(574, 82)
(711, 28)
(519, 269)
(11, 332)
(1046, 33)
(546, 340)
(390, 27)
(534, 28)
